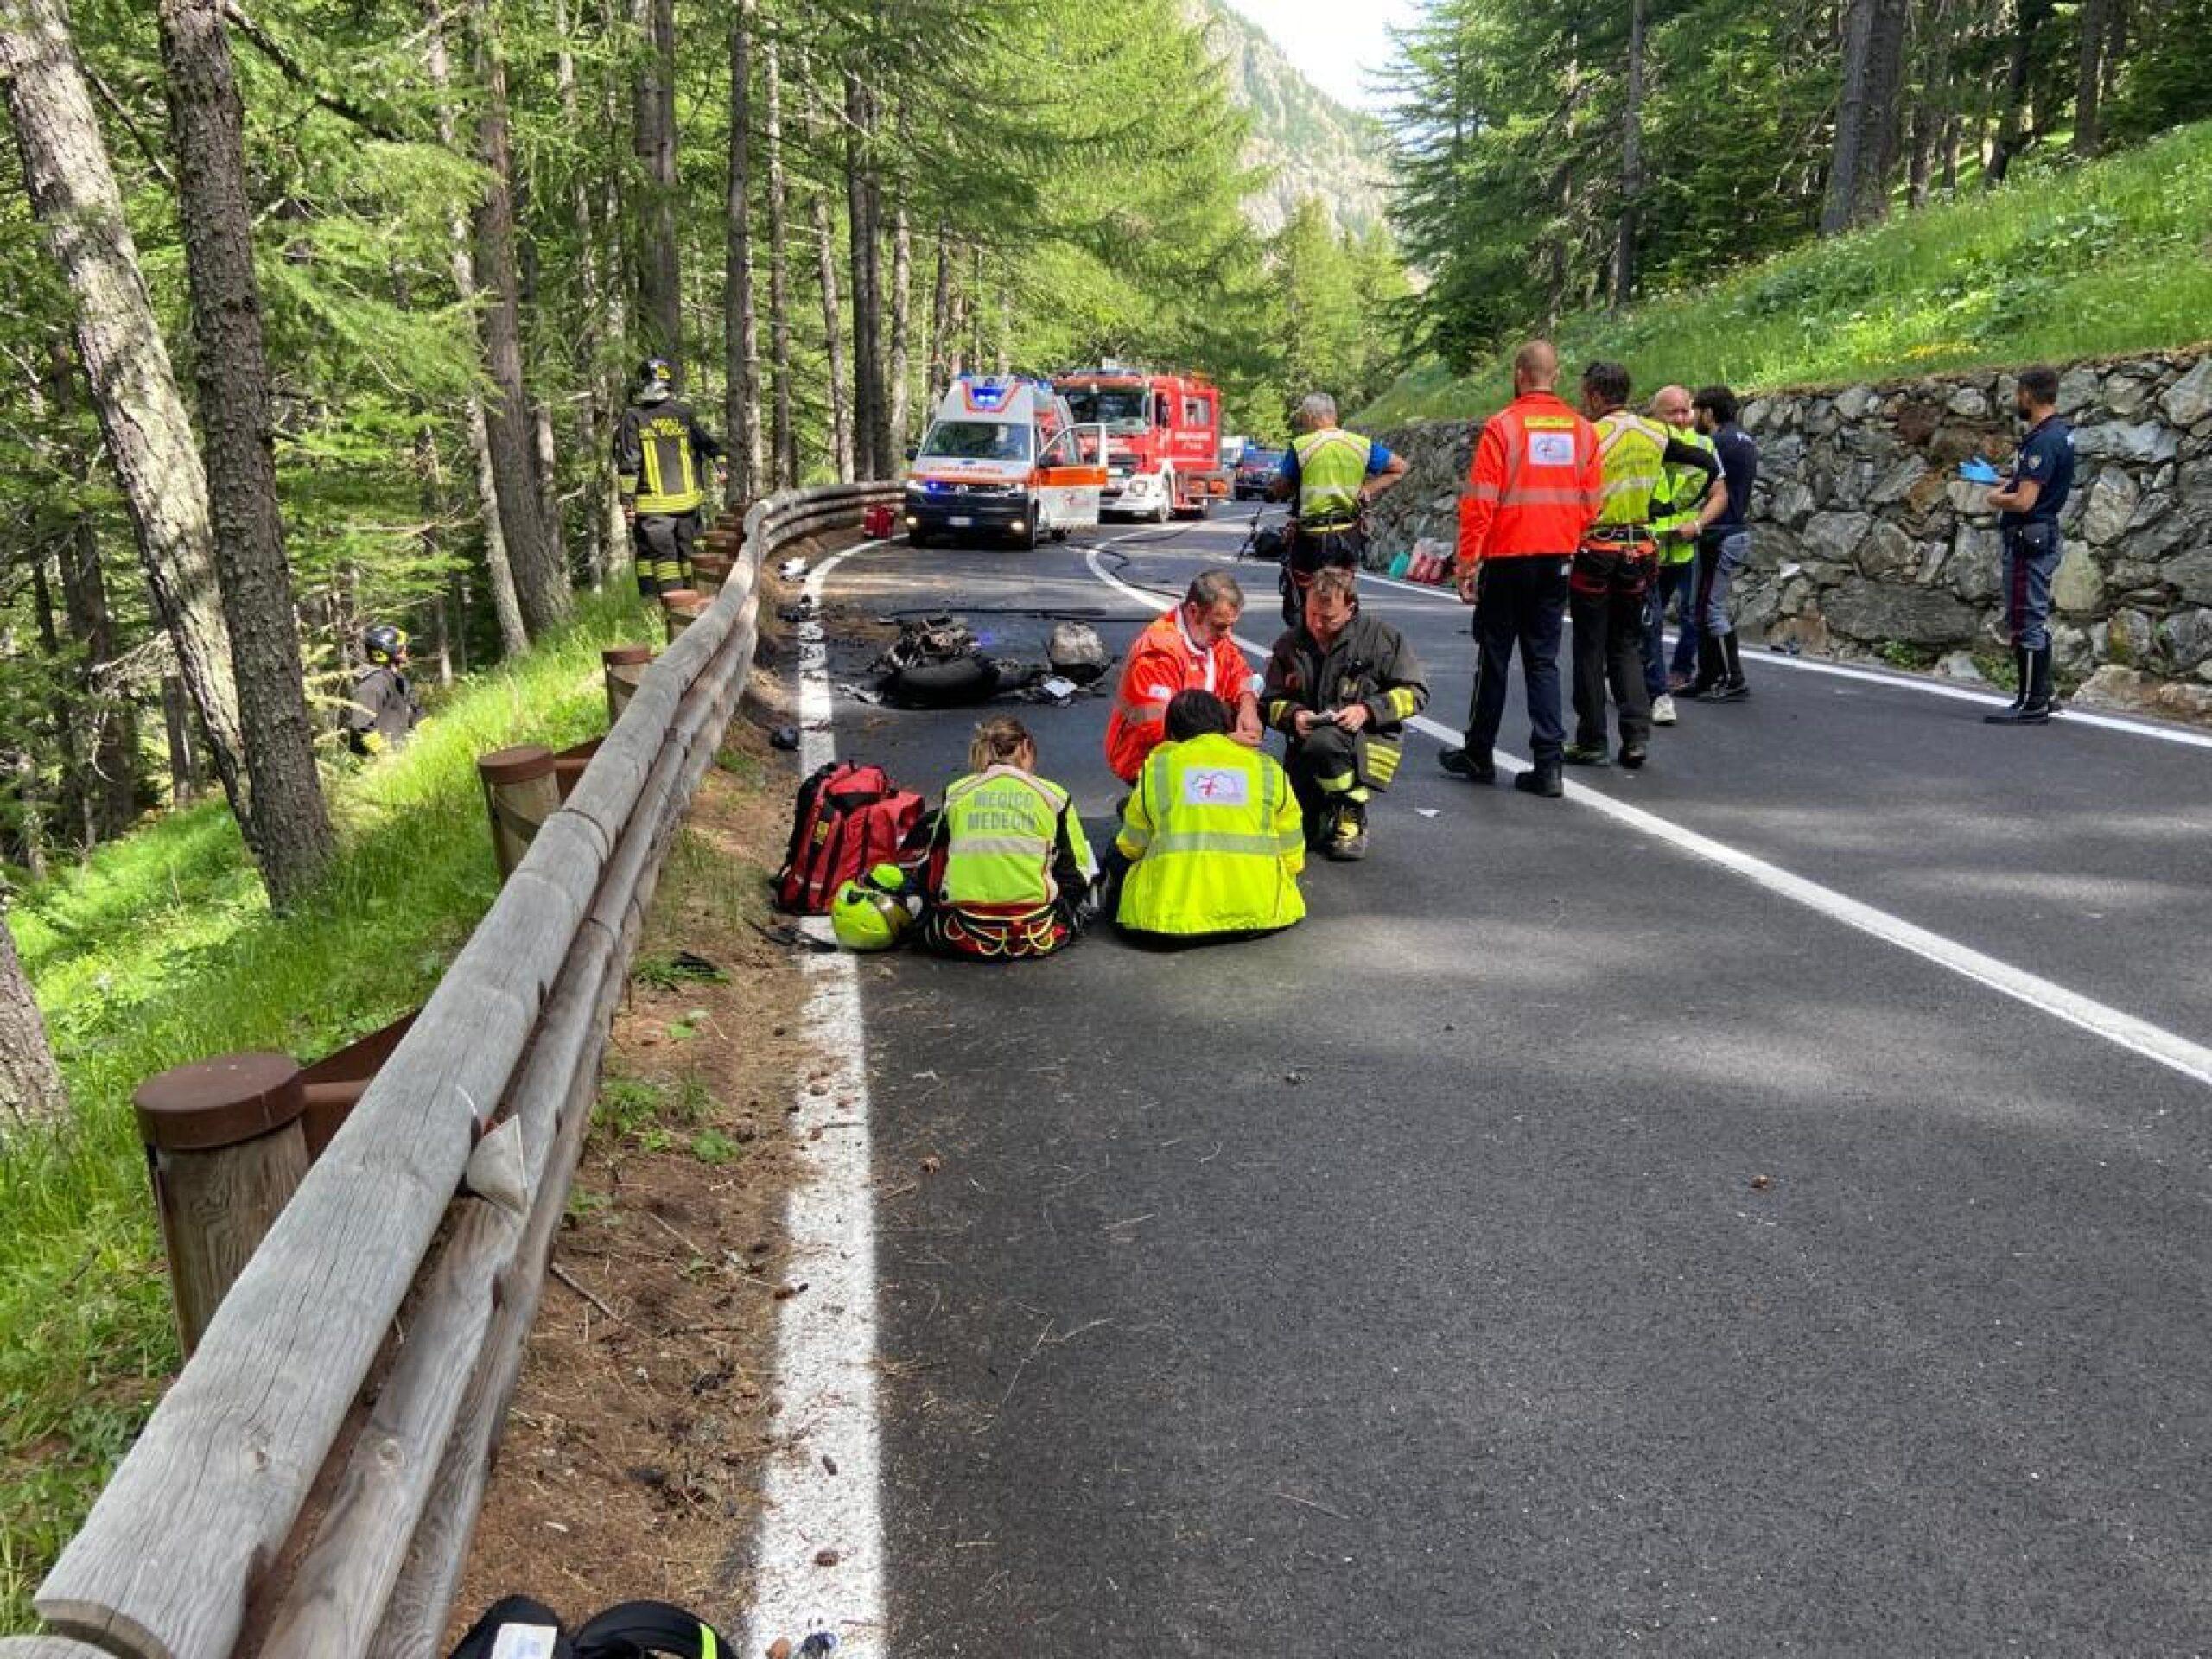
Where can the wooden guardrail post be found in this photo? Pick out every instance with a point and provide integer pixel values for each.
(624, 666)
(710, 571)
(519, 794)
(227, 1150)
(682, 607)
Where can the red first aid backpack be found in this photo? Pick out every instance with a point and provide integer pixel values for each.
(849, 818)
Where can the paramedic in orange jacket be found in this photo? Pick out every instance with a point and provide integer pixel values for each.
(1189, 649)
(1535, 486)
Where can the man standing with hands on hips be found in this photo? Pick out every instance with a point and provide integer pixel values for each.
(2029, 503)
(1536, 487)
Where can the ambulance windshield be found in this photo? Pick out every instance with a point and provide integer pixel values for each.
(1120, 409)
(977, 441)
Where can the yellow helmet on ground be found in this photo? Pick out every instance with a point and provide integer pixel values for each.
(868, 914)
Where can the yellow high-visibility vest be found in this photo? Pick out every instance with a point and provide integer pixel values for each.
(1218, 841)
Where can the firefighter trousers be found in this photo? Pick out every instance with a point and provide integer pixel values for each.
(1330, 766)
(662, 543)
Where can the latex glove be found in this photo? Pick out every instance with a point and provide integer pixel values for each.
(1979, 471)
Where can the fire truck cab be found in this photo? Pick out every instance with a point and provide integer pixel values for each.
(1002, 456)
(1162, 438)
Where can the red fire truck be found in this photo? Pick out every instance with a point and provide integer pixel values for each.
(1163, 438)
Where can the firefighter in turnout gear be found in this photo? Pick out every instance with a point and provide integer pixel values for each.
(1330, 475)
(1611, 580)
(660, 456)
(384, 712)
(1341, 687)
(1010, 870)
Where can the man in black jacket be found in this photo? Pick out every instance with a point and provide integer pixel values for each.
(383, 711)
(1340, 686)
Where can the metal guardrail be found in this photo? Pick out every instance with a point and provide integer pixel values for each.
(309, 1486)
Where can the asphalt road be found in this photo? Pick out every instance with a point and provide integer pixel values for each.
(1563, 1243)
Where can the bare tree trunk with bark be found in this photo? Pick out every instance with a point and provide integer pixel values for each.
(783, 436)
(141, 416)
(902, 279)
(506, 609)
(2090, 78)
(1866, 119)
(740, 327)
(541, 581)
(866, 270)
(660, 279)
(292, 839)
(31, 1092)
(1631, 159)
(941, 330)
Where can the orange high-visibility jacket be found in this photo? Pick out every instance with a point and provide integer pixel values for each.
(1162, 662)
(1536, 485)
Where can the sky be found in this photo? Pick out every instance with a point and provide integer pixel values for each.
(1338, 45)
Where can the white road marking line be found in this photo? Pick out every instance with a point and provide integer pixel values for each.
(1922, 684)
(2137, 1036)
(825, 1335)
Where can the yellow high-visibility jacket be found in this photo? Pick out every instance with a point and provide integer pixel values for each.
(1218, 841)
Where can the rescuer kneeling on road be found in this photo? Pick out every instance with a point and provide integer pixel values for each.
(1010, 871)
(1211, 839)
(383, 713)
(1191, 648)
(1341, 687)
(660, 456)
(1332, 475)
(2029, 501)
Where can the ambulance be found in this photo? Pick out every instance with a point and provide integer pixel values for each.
(1002, 457)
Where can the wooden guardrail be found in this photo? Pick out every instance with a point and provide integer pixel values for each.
(307, 1488)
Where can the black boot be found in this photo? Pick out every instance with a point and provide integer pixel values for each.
(1474, 765)
(1711, 668)
(1732, 688)
(2035, 709)
(2021, 676)
(1542, 778)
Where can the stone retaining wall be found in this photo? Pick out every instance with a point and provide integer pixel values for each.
(1865, 543)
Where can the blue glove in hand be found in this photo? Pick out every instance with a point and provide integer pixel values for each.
(1979, 471)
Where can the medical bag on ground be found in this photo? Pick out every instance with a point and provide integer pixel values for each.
(847, 819)
(519, 1628)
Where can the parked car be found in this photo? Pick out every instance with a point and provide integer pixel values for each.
(1256, 471)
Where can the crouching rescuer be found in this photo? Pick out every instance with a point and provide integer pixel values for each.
(1010, 871)
(1340, 686)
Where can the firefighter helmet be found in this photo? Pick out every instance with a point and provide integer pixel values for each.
(657, 372)
(381, 643)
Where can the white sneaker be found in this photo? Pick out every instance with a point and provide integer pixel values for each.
(1663, 710)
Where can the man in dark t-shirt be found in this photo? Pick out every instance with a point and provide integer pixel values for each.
(1724, 547)
(2029, 503)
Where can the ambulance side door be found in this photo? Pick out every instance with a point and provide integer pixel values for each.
(1068, 485)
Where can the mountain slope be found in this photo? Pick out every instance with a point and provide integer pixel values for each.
(1303, 142)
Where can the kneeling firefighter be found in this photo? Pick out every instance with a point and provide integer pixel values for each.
(660, 456)
(1341, 687)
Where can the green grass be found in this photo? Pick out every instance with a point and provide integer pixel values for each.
(161, 950)
(2063, 263)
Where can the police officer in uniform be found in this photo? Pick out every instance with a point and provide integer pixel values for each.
(660, 456)
(1331, 474)
(2029, 502)
(1341, 687)
(385, 711)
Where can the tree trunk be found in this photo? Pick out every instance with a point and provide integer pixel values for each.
(1631, 160)
(176, 724)
(1866, 116)
(867, 297)
(841, 409)
(112, 794)
(506, 609)
(594, 430)
(902, 280)
(67, 733)
(149, 434)
(30, 1084)
(2090, 79)
(540, 583)
(783, 436)
(740, 328)
(292, 839)
(660, 286)
(941, 317)
(2011, 126)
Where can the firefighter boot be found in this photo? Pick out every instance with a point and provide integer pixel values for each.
(2035, 710)
(1347, 842)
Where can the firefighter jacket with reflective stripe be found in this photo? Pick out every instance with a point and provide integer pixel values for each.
(1217, 839)
(1675, 522)
(1536, 485)
(660, 457)
(1331, 465)
(383, 712)
(1164, 661)
(1370, 662)
(1010, 843)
